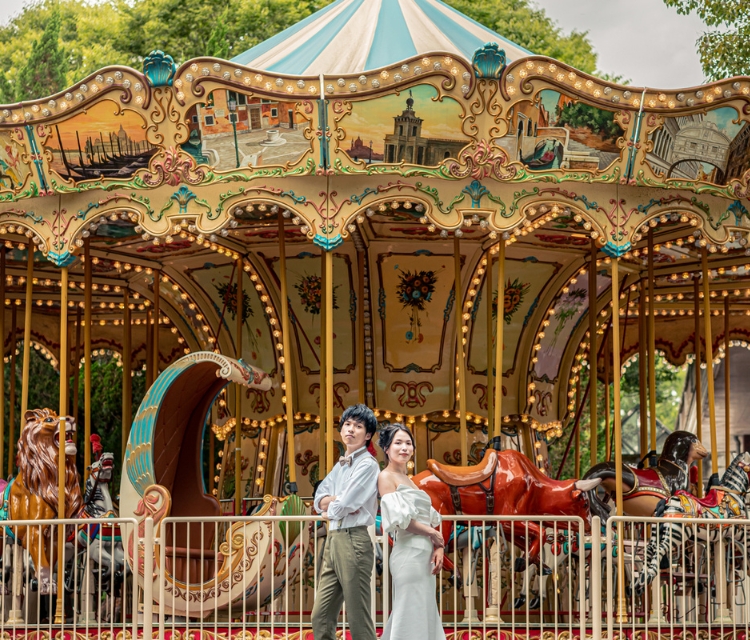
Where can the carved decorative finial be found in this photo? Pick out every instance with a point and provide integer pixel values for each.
(489, 61)
(159, 68)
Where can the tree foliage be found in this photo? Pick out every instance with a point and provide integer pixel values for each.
(94, 34)
(521, 22)
(669, 387)
(580, 115)
(724, 48)
(44, 71)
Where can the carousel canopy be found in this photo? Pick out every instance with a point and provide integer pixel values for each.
(385, 32)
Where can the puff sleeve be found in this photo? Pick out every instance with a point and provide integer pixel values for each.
(435, 518)
(397, 512)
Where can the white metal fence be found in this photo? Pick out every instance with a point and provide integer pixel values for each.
(257, 575)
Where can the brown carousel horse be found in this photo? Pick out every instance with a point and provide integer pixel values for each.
(32, 494)
(505, 483)
(644, 489)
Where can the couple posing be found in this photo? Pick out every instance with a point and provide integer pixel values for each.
(348, 498)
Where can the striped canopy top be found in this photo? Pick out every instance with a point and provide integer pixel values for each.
(352, 36)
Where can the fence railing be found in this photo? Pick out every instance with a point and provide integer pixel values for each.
(258, 575)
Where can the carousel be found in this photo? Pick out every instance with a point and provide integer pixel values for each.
(270, 239)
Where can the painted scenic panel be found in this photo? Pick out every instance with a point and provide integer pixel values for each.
(104, 141)
(713, 147)
(524, 281)
(569, 309)
(415, 301)
(13, 171)
(556, 132)
(412, 127)
(232, 130)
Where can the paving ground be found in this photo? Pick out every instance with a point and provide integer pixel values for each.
(249, 145)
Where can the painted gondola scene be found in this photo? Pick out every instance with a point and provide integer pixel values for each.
(258, 263)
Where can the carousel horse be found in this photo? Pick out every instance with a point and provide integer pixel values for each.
(643, 489)
(33, 495)
(726, 501)
(100, 545)
(505, 483)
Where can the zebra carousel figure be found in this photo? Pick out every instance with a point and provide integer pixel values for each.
(728, 500)
(99, 546)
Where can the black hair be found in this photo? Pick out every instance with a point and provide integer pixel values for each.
(361, 413)
(387, 434)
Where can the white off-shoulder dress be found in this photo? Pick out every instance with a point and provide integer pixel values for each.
(415, 612)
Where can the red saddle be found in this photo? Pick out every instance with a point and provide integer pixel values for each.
(711, 501)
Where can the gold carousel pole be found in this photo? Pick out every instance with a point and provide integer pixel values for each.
(287, 354)
(651, 342)
(621, 604)
(149, 350)
(328, 284)
(360, 326)
(727, 424)
(643, 367)
(127, 366)
(577, 458)
(27, 332)
(238, 401)
(12, 409)
(87, 294)
(458, 306)
(607, 398)
(157, 315)
(64, 357)
(76, 363)
(323, 434)
(709, 360)
(698, 391)
(499, 325)
(2, 361)
(593, 361)
(490, 358)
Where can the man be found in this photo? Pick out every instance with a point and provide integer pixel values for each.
(348, 498)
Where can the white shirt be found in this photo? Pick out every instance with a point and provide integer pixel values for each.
(356, 489)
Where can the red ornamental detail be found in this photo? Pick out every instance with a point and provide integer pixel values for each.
(543, 401)
(173, 169)
(259, 400)
(481, 161)
(412, 393)
(481, 391)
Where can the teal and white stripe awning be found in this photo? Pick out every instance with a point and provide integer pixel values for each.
(352, 36)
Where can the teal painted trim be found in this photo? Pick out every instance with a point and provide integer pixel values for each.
(36, 156)
(64, 259)
(159, 68)
(247, 57)
(392, 41)
(299, 60)
(492, 35)
(326, 243)
(488, 61)
(616, 250)
(325, 157)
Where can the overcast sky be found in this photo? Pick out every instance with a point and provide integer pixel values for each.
(642, 40)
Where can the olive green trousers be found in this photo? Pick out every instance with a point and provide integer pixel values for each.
(345, 576)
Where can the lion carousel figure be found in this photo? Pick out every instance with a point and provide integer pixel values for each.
(33, 495)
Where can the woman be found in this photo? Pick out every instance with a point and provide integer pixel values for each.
(417, 555)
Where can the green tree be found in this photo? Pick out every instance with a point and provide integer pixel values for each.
(669, 386)
(599, 121)
(533, 29)
(44, 71)
(724, 48)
